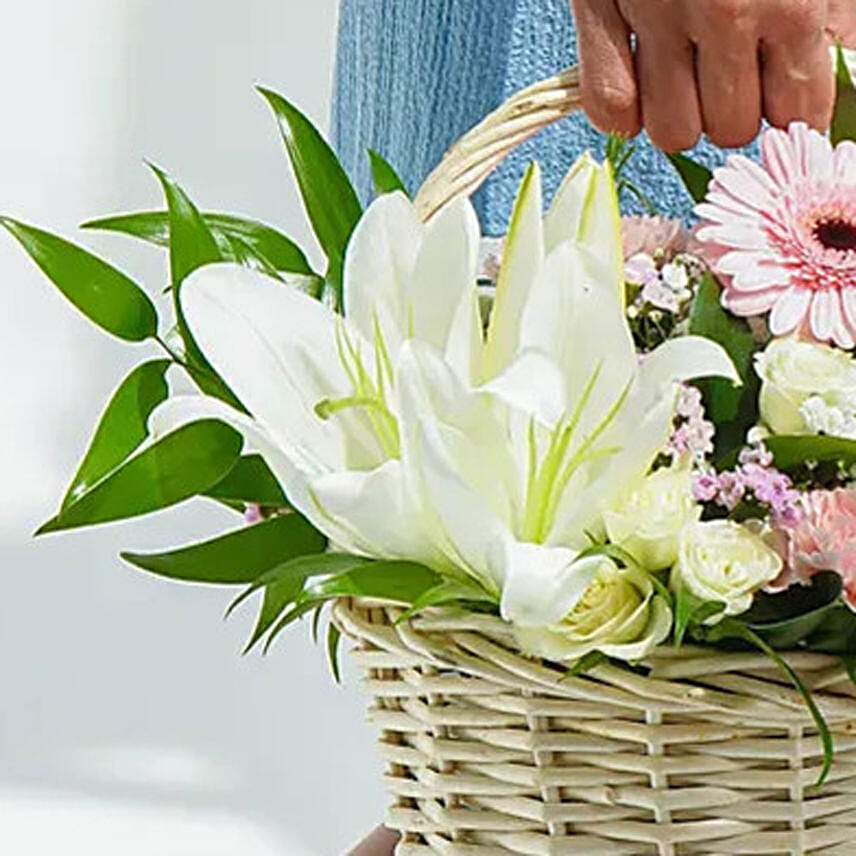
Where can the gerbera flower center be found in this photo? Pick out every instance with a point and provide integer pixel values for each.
(836, 234)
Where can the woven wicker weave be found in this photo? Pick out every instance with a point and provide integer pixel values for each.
(490, 753)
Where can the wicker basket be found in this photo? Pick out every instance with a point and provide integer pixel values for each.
(491, 753)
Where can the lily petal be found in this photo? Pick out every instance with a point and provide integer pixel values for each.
(521, 261)
(374, 514)
(542, 584)
(379, 261)
(444, 272)
(276, 348)
(573, 316)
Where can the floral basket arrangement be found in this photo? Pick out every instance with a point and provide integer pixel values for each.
(583, 498)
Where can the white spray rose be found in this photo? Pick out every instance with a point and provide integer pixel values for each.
(620, 614)
(647, 520)
(725, 562)
(793, 372)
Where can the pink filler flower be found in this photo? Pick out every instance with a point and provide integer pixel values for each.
(823, 540)
(782, 234)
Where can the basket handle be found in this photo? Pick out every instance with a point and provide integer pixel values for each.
(471, 160)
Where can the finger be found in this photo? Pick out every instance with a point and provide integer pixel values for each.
(607, 78)
(380, 843)
(841, 26)
(670, 104)
(729, 82)
(798, 81)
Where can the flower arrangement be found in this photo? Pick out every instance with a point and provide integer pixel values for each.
(612, 434)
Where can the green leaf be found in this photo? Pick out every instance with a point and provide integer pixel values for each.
(191, 246)
(384, 178)
(294, 614)
(844, 118)
(245, 255)
(447, 592)
(733, 409)
(691, 613)
(334, 637)
(586, 663)
(396, 581)
(329, 197)
(277, 597)
(123, 425)
(250, 482)
(791, 451)
(734, 629)
(836, 633)
(849, 663)
(300, 568)
(192, 243)
(104, 294)
(180, 465)
(787, 619)
(237, 557)
(265, 241)
(695, 176)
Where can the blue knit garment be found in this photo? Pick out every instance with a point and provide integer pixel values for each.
(414, 75)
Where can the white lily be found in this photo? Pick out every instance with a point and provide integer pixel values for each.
(319, 387)
(404, 431)
(519, 467)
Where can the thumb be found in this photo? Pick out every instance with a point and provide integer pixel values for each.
(841, 22)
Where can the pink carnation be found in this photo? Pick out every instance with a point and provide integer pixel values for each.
(782, 234)
(650, 235)
(824, 539)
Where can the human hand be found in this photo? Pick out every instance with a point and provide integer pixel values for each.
(712, 66)
(380, 843)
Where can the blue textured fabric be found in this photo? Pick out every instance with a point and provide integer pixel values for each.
(413, 75)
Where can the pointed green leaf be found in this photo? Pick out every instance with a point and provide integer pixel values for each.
(334, 638)
(397, 581)
(192, 243)
(243, 254)
(447, 592)
(384, 178)
(836, 633)
(329, 197)
(586, 663)
(153, 226)
(191, 246)
(300, 568)
(180, 465)
(123, 425)
(733, 409)
(104, 294)
(731, 628)
(792, 451)
(277, 597)
(294, 614)
(844, 118)
(237, 557)
(695, 176)
(250, 482)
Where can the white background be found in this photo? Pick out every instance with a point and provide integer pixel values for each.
(128, 721)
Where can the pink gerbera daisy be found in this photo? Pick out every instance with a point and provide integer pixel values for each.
(782, 234)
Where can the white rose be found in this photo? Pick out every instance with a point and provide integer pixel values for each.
(621, 615)
(725, 562)
(647, 520)
(792, 372)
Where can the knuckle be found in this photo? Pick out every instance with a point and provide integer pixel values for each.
(730, 12)
(610, 102)
(799, 17)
